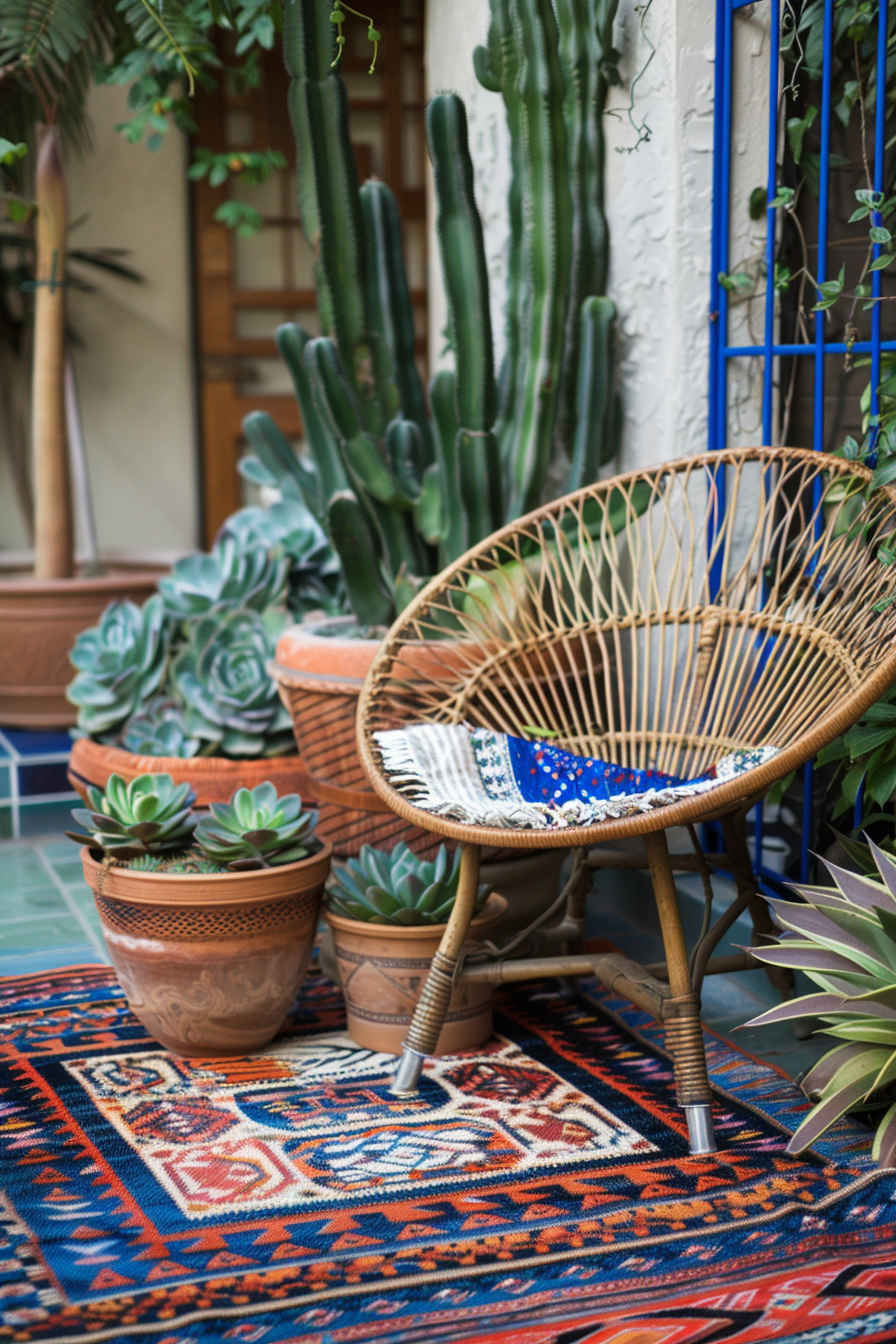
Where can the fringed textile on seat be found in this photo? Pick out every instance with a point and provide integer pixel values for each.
(482, 778)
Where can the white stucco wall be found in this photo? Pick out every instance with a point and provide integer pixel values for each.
(135, 368)
(659, 198)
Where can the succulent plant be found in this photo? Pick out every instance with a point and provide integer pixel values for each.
(257, 829)
(120, 662)
(401, 496)
(232, 574)
(395, 887)
(221, 675)
(844, 939)
(151, 815)
(158, 729)
(291, 529)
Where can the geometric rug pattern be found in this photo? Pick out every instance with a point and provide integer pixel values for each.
(536, 1191)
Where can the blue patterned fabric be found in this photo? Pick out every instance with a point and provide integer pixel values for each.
(485, 778)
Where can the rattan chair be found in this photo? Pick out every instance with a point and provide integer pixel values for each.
(661, 619)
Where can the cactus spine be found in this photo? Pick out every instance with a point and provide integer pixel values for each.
(401, 496)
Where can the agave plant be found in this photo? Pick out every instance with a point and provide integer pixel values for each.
(121, 663)
(151, 815)
(221, 676)
(158, 729)
(844, 939)
(257, 829)
(395, 887)
(231, 575)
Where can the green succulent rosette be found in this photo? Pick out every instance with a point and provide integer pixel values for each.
(151, 815)
(257, 829)
(158, 729)
(221, 676)
(120, 663)
(291, 529)
(233, 574)
(396, 887)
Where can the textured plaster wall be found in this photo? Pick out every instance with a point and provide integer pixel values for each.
(659, 199)
(135, 369)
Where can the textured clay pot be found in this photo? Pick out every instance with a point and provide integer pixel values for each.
(214, 778)
(210, 964)
(383, 968)
(39, 622)
(319, 677)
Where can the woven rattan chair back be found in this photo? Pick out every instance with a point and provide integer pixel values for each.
(658, 620)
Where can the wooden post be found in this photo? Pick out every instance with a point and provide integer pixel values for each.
(53, 529)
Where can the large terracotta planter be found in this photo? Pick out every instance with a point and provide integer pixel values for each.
(383, 968)
(210, 964)
(215, 778)
(39, 621)
(320, 678)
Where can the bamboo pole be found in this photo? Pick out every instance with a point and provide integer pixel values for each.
(53, 527)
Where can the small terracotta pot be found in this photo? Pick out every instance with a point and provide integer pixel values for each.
(215, 778)
(39, 622)
(319, 678)
(210, 964)
(383, 968)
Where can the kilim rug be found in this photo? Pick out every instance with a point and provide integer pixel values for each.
(537, 1191)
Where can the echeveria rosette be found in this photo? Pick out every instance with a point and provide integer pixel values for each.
(158, 729)
(396, 887)
(235, 573)
(230, 701)
(120, 663)
(150, 815)
(257, 829)
(291, 529)
(844, 940)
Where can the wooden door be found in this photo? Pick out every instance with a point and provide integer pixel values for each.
(245, 287)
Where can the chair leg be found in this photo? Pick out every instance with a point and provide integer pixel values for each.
(734, 829)
(434, 1002)
(684, 1034)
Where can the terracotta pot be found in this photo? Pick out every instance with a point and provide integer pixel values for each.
(39, 622)
(210, 964)
(529, 883)
(320, 678)
(383, 968)
(215, 778)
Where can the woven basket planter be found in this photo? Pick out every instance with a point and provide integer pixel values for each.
(320, 678)
(210, 964)
(39, 622)
(383, 968)
(215, 778)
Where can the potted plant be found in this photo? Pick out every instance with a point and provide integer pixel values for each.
(181, 685)
(387, 911)
(844, 939)
(209, 921)
(400, 495)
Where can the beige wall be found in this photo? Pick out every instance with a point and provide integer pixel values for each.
(135, 368)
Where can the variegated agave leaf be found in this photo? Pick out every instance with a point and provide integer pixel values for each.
(845, 941)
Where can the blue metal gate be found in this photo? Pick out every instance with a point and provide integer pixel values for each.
(770, 351)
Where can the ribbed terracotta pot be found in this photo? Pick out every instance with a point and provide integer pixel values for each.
(210, 964)
(383, 968)
(214, 778)
(320, 678)
(39, 622)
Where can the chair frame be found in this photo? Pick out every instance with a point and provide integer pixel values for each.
(670, 991)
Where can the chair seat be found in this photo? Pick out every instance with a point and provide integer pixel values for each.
(483, 778)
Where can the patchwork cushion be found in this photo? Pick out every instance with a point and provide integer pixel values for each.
(483, 778)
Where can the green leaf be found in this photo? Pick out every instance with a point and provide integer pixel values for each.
(796, 132)
(11, 152)
(878, 234)
(243, 218)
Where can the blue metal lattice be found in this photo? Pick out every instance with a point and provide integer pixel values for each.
(770, 351)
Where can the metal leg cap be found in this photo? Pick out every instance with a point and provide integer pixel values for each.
(700, 1130)
(406, 1078)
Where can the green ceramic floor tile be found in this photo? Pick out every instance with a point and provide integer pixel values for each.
(36, 900)
(68, 869)
(56, 930)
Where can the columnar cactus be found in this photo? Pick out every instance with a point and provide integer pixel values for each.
(400, 496)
